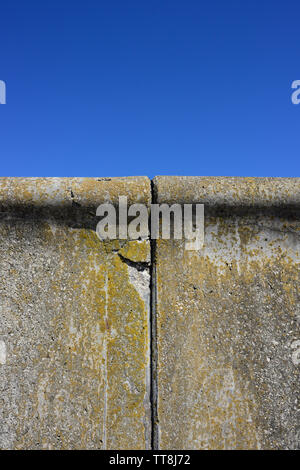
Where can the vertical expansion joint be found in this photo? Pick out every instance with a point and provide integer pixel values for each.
(153, 339)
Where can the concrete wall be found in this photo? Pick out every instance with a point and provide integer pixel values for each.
(142, 344)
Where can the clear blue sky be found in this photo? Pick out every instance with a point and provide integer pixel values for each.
(119, 87)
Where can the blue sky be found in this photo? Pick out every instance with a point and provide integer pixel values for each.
(118, 88)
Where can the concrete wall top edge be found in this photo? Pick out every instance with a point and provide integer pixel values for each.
(67, 192)
(228, 191)
(64, 193)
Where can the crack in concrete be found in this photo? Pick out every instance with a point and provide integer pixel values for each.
(139, 265)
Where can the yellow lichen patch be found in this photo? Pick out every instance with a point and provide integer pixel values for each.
(128, 355)
(137, 251)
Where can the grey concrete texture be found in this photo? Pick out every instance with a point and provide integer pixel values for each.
(88, 361)
(74, 319)
(229, 192)
(227, 318)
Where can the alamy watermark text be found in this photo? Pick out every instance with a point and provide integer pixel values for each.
(296, 94)
(2, 92)
(164, 221)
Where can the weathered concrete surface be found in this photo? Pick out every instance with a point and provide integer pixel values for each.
(67, 192)
(74, 318)
(227, 318)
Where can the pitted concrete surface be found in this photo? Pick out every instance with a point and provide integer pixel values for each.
(79, 368)
(228, 318)
(74, 323)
